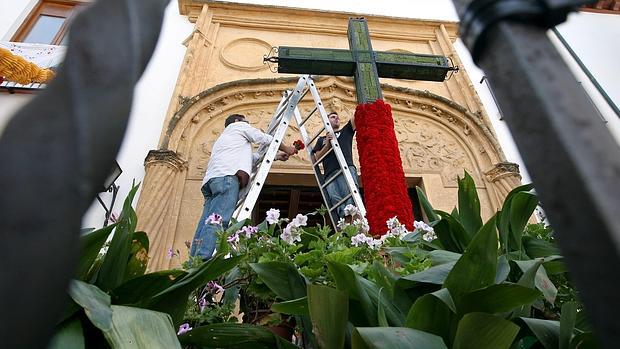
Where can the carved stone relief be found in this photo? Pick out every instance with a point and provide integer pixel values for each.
(426, 147)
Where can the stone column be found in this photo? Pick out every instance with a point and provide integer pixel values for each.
(504, 177)
(158, 207)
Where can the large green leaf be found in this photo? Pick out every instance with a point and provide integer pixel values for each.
(395, 338)
(139, 256)
(68, 336)
(367, 294)
(90, 245)
(504, 218)
(469, 205)
(536, 248)
(521, 209)
(384, 277)
(346, 280)
(433, 275)
(95, 302)
(379, 299)
(114, 265)
(547, 331)
(135, 328)
(294, 307)
(234, 336)
(431, 313)
(503, 269)
(484, 331)
(329, 311)
(173, 300)
(426, 206)
(498, 299)
(451, 233)
(142, 288)
(282, 278)
(478, 265)
(442, 256)
(541, 279)
(567, 324)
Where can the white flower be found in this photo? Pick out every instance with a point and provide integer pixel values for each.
(273, 215)
(422, 226)
(392, 223)
(374, 243)
(341, 224)
(300, 220)
(351, 210)
(290, 234)
(430, 236)
(358, 239)
(362, 225)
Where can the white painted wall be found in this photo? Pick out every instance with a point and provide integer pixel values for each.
(153, 92)
(151, 98)
(13, 14)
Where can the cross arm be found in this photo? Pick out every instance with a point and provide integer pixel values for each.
(323, 61)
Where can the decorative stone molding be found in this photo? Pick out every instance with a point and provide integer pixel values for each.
(504, 177)
(235, 53)
(165, 157)
(503, 169)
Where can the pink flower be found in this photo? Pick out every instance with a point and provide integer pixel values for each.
(215, 219)
(170, 253)
(234, 238)
(202, 303)
(214, 287)
(184, 328)
(248, 231)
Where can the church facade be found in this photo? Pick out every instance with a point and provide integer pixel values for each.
(442, 127)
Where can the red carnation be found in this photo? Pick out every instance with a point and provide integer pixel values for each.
(383, 178)
(299, 145)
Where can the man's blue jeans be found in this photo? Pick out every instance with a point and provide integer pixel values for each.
(221, 195)
(338, 189)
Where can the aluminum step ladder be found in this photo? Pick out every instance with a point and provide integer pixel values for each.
(287, 108)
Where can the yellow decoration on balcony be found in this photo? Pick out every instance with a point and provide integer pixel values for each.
(17, 69)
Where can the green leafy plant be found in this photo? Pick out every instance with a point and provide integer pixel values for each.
(113, 303)
(470, 284)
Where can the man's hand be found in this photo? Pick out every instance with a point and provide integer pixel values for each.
(288, 149)
(329, 137)
(282, 156)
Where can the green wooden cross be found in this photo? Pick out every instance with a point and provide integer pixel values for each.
(361, 62)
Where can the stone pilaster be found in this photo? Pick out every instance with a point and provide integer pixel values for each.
(504, 177)
(158, 207)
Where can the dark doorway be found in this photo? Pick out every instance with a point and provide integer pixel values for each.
(290, 200)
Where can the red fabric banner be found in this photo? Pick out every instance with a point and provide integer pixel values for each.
(383, 178)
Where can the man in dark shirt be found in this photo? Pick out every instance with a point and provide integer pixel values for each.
(338, 188)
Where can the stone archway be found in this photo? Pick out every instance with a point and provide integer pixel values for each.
(437, 137)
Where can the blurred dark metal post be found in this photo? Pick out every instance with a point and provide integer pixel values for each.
(56, 152)
(572, 158)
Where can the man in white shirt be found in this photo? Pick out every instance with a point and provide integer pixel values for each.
(228, 170)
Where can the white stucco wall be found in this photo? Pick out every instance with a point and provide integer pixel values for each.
(13, 14)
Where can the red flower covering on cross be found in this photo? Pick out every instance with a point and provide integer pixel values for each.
(383, 178)
(299, 145)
